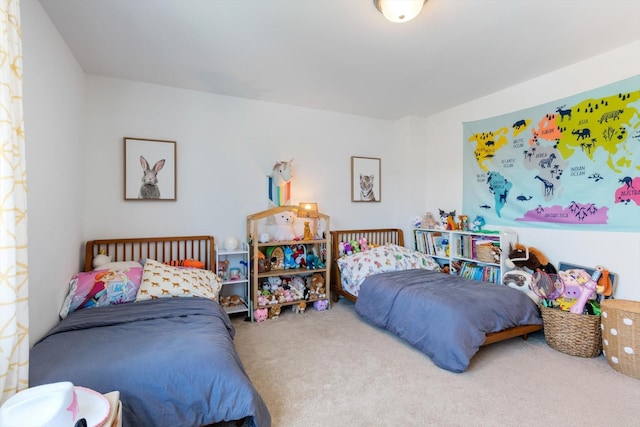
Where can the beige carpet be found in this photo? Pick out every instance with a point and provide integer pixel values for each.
(331, 369)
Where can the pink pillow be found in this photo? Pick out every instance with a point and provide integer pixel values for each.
(100, 288)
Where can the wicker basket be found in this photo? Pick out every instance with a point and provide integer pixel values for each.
(574, 334)
(487, 252)
(621, 335)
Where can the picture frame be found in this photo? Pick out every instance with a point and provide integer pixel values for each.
(150, 172)
(366, 179)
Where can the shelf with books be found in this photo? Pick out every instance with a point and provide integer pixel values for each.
(474, 255)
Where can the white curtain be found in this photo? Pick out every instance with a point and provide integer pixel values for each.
(14, 314)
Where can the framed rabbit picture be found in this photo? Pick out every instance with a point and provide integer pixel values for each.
(149, 169)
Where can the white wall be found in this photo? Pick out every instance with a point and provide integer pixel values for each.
(619, 252)
(53, 101)
(225, 148)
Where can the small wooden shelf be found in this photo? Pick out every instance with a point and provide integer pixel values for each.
(258, 225)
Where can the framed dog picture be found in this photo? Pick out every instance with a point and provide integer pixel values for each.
(365, 179)
(149, 169)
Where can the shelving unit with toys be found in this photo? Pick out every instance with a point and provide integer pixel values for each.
(471, 254)
(290, 262)
(233, 270)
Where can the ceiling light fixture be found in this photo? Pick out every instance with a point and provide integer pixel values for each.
(399, 10)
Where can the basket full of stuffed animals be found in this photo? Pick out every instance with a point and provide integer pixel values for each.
(572, 317)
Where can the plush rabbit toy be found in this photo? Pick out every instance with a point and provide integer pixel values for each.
(149, 188)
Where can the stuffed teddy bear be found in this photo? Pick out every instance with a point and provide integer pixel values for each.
(284, 226)
(316, 285)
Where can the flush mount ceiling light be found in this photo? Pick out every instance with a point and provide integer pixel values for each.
(399, 10)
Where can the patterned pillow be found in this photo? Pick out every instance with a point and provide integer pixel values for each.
(99, 288)
(412, 260)
(163, 281)
(357, 267)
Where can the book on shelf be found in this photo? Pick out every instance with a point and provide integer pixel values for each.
(483, 273)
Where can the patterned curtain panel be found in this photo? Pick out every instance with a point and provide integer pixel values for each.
(14, 314)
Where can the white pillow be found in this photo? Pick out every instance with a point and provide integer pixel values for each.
(163, 281)
(359, 266)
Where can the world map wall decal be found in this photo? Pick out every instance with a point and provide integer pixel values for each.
(571, 164)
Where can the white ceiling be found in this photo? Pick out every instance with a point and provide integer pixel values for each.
(341, 55)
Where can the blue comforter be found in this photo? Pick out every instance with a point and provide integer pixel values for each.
(446, 317)
(173, 361)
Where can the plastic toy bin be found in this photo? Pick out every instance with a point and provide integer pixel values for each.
(621, 335)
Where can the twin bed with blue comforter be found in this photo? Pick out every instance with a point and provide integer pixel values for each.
(446, 317)
(173, 360)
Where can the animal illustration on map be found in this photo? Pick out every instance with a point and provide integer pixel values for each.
(149, 188)
(613, 115)
(519, 124)
(548, 186)
(596, 177)
(627, 181)
(546, 163)
(581, 133)
(563, 112)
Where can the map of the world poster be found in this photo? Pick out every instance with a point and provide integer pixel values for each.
(571, 164)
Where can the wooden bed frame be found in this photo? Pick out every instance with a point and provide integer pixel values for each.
(395, 236)
(161, 249)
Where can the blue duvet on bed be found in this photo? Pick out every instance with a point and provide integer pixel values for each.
(173, 361)
(446, 317)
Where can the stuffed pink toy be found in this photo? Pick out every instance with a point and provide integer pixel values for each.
(260, 314)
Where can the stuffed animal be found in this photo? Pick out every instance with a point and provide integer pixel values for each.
(364, 245)
(347, 248)
(289, 261)
(445, 215)
(101, 259)
(321, 305)
(478, 223)
(284, 226)
(463, 222)
(429, 221)
(316, 284)
(274, 283)
(313, 261)
(260, 314)
(274, 312)
(299, 307)
(262, 300)
(298, 284)
(307, 231)
(531, 258)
